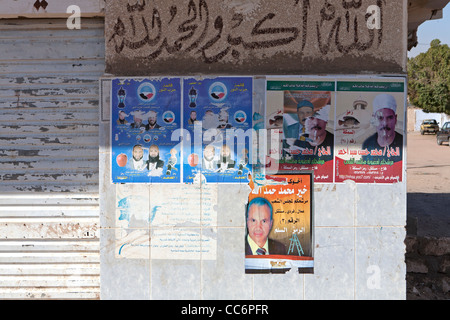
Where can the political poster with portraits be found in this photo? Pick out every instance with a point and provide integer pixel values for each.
(144, 114)
(279, 224)
(217, 117)
(369, 134)
(300, 125)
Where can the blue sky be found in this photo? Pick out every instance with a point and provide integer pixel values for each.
(432, 29)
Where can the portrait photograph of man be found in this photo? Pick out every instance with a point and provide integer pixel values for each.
(154, 164)
(370, 140)
(138, 162)
(384, 119)
(152, 121)
(259, 224)
(279, 225)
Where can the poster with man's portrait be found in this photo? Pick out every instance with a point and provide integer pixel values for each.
(279, 224)
(217, 114)
(300, 125)
(369, 134)
(144, 114)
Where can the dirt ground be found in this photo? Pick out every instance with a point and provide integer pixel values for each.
(428, 203)
(428, 185)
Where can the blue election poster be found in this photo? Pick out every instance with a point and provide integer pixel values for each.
(144, 114)
(217, 118)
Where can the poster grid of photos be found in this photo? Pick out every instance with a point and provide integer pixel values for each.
(188, 129)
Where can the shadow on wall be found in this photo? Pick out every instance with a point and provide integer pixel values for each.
(427, 214)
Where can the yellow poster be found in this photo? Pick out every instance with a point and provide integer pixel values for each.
(279, 221)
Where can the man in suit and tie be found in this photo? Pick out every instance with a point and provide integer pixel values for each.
(259, 224)
(225, 163)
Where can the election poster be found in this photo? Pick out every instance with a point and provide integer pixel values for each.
(144, 115)
(369, 134)
(300, 126)
(279, 224)
(217, 116)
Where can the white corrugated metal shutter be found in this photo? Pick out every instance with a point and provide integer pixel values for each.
(49, 210)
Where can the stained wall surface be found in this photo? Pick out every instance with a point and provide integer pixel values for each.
(359, 229)
(359, 232)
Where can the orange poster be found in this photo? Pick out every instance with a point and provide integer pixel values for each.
(279, 221)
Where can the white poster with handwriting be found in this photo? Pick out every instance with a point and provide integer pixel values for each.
(166, 222)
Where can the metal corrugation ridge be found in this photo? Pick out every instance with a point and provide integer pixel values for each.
(49, 197)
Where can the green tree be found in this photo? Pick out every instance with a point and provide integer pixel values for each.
(429, 78)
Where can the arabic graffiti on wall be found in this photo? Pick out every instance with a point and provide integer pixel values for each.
(214, 32)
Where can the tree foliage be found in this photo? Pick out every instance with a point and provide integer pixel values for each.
(429, 79)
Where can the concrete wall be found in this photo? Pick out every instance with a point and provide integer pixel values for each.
(411, 118)
(416, 116)
(359, 248)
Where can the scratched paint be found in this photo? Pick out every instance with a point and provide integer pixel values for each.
(49, 209)
(41, 8)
